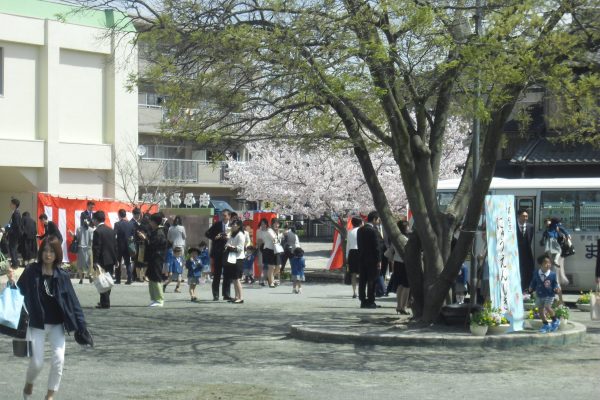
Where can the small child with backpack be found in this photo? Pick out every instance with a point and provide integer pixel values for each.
(249, 264)
(298, 264)
(176, 264)
(194, 267)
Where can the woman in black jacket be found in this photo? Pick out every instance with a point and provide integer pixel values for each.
(53, 309)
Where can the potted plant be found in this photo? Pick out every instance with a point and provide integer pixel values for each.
(583, 302)
(500, 325)
(562, 313)
(533, 319)
(481, 320)
(529, 302)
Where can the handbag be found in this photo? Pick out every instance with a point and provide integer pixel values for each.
(595, 304)
(20, 332)
(232, 257)
(11, 304)
(347, 278)
(131, 247)
(74, 246)
(21, 348)
(567, 247)
(104, 281)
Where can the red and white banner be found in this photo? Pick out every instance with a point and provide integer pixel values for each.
(65, 212)
(336, 259)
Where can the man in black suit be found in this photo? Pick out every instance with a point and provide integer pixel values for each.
(217, 233)
(124, 232)
(14, 232)
(104, 248)
(524, 240)
(85, 219)
(50, 228)
(370, 244)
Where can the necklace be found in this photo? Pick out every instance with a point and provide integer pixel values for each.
(47, 287)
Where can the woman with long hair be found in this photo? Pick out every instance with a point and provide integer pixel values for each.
(399, 277)
(176, 234)
(53, 308)
(234, 259)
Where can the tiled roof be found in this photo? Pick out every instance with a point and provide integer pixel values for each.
(543, 152)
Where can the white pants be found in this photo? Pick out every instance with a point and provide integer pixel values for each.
(56, 337)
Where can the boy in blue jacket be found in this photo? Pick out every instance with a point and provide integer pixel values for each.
(194, 267)
(545, 285)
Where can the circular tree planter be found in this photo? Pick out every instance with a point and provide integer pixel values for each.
(584, 307)
(498, 329)
(478, 330)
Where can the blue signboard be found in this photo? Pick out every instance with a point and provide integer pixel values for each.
(503, 258)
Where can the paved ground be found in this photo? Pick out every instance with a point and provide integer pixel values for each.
(216, 350)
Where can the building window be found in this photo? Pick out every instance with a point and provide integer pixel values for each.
(149, 99)
(1, 71)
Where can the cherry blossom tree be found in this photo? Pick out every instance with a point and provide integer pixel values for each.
(325, 182)
(353, 70)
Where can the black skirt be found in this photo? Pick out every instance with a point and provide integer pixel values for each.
(353, 262)
(234, 271)
(268, 257)
(399, 276)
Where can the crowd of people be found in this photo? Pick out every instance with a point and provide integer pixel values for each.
(150, 248)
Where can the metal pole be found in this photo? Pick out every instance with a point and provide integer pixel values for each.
(475, 144)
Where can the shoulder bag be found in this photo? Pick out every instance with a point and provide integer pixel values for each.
(13, 315)
(104, 281)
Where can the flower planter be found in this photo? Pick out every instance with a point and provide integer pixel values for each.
(478, 330)
(498, 329)
(528, 306)
(534, 324)
(563, 324)
(584, 307)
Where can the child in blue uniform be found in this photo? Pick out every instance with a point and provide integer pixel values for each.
(176, 264)
(205, 261)
(194, 267)
(545, 285)
(297, 262)
(249, 264)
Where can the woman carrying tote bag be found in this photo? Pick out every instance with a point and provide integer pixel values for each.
(53, 308)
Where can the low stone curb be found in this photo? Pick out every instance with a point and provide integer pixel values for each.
(573, 335)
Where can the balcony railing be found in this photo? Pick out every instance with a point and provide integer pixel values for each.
(171, 171)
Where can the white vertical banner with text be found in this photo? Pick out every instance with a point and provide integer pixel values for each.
(503, 258)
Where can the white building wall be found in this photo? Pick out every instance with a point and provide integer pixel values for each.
(66, 111)
(20, 87)
(81, 104)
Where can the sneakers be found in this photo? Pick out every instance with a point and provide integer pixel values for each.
(554, 325)
(156, 304)
(545, 328)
